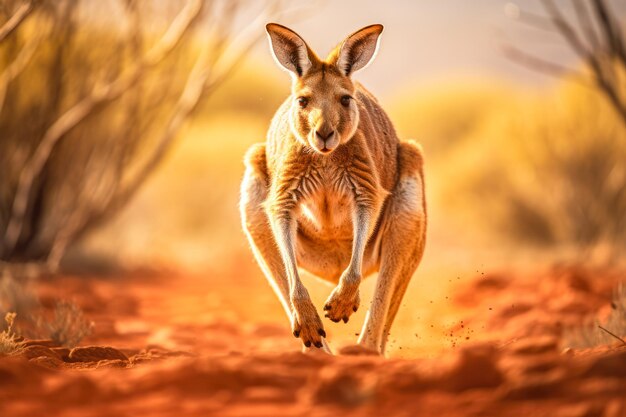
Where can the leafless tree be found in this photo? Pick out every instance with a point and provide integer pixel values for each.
(594, 34)
(18, 16)
(587, 205)
(108, 113)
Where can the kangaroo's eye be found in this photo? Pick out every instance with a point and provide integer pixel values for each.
(302, 102)
(345, 101)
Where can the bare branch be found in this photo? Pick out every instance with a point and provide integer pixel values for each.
(208, 72)
(604, 72)
(611, 30)
(14, 21)
(566, 29)
(17, 66)
(611, 92)
(612, 334)
(99, 95)
(584, 20)
(538, 64)
(110, 171)
(530, 19)
(204, 77)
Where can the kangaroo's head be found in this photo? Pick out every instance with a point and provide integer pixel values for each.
(323, 112)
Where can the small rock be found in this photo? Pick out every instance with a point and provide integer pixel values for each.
(95, 354)
(63, 352)
(47, 362)
(42, 342)
(37, 351)
(115, 363)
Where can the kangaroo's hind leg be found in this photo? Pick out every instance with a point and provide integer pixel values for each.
(254, 190)
(402, 245)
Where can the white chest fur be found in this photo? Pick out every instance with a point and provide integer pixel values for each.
(325, 210)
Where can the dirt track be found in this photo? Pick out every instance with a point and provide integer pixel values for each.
(179, 349)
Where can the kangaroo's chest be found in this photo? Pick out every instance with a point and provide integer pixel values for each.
(326, 206)
(326, 216)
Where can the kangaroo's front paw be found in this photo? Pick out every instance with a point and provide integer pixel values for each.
(306, 323)
(343, 301)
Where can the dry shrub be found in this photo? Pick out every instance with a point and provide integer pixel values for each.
(67, 325)
(9, 341)
(101, 104)
(204, 172)
(546, 169)
(561, 173)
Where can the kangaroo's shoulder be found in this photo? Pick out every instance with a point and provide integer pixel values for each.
(279, 126)
(366, 98)
(363, 93)
(374, 118)
(280, 139)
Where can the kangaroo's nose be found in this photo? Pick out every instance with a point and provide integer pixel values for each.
(324, 133)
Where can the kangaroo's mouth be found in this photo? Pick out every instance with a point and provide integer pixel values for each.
(324, 147)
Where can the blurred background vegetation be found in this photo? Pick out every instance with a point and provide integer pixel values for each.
(123, 126)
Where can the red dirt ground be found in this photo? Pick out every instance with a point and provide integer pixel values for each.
(172, 345)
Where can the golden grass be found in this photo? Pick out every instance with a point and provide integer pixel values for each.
(9, 343)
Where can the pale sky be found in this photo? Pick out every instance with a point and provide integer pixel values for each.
(427, 41)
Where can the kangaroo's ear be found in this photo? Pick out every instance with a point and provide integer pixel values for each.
(357, 50)
(289, 49)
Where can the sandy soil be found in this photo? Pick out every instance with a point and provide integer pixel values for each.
(175, 344)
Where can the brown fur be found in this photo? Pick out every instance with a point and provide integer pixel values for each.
(342, 204)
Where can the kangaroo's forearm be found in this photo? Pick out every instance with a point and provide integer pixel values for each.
(365, 190)
(362, 222)
(283, 229)
(361, 226)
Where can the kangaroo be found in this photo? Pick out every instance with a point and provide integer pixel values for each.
(333, 191)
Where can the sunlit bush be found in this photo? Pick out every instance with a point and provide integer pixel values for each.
(442, 116)
(9, 341)
(88, 110)
(26, 316)
(548, 168)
